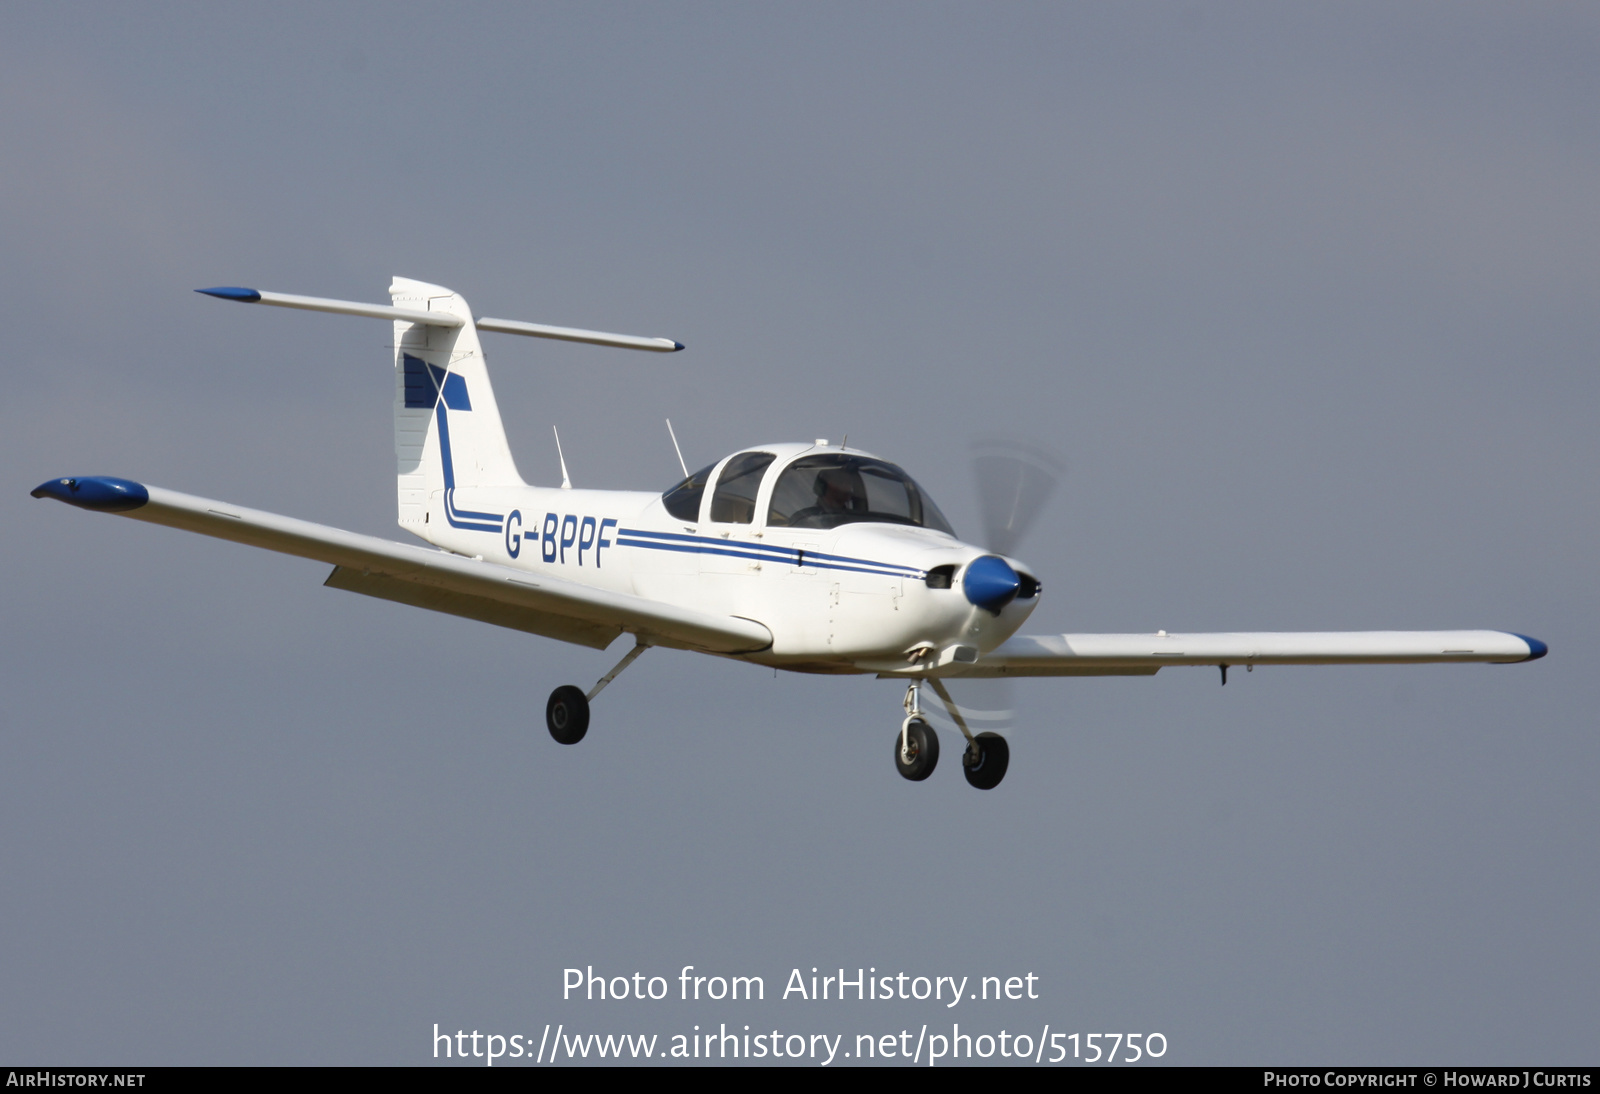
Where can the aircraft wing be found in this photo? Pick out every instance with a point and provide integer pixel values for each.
(1146, 654)
(424, 577)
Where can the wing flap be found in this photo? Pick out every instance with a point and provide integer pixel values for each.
(1143, 654)
(563, 628)
(458, 585)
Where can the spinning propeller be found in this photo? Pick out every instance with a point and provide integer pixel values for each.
(1015, 482)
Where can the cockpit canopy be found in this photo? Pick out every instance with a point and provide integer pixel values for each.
(816, 491)
(829, 490)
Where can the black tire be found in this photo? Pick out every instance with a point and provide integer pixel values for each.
(985, 769)
(923, 744)
(566, 715)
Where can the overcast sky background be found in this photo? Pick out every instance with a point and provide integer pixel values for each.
(1306, 297)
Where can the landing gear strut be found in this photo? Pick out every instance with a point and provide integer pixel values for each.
(916, 746)
(987, 756)
(566, 715)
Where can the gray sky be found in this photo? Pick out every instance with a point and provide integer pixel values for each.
(1306, 298)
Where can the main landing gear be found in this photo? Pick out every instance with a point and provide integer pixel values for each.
(916, 748)
(566, 715)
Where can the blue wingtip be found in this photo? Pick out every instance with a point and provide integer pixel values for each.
(228, 292)
(676, 346)
(102, 492)
(1539, 648)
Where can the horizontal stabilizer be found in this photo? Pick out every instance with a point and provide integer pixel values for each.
(444, 582)
(441, 319)
(335, 307)
(572, 334)
(1144, 654)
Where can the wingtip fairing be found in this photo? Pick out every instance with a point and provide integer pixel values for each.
(1536, 648)
(101, 492)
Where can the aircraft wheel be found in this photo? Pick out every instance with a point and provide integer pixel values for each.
(923, 745)
(566, 715)
(985, 761)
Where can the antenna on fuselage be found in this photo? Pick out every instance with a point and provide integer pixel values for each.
(671, 433)
(566, 483)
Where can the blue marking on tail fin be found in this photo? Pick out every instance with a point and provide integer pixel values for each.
(455, 388)
(421, 391)
(422, 384)
(458, 518)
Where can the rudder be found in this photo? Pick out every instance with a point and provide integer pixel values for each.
(447, 428)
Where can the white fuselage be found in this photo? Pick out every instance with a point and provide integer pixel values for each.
(855, 598)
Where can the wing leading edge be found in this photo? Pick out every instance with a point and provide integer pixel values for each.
(1145, 654)
(426, 578)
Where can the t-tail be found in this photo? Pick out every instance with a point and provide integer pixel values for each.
(447, 431)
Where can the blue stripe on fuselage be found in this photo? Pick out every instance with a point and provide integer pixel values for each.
(705, 545)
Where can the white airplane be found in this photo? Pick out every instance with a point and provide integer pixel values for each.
(807, 557)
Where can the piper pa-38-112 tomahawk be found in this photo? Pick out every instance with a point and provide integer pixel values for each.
(806, 557)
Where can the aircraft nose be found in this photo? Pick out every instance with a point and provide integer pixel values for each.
(990, 583)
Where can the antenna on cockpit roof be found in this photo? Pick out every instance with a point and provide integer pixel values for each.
(676, 449)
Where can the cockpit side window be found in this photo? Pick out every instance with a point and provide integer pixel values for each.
(827, 491)
(683, 500)
(735, 499)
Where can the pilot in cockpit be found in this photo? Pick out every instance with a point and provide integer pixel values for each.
(840, 490)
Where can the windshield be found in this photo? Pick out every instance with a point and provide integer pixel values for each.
(827, 491)
(683, 500)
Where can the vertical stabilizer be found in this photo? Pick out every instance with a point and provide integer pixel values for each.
(447, 430)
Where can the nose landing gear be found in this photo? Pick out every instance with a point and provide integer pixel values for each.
(916, 748)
